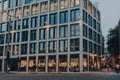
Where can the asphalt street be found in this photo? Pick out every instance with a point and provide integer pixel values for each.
(61, 76)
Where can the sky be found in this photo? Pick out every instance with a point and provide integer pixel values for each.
(110, 14)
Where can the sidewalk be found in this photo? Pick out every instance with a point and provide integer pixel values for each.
(81, 73)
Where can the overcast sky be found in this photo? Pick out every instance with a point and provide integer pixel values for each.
(110, 14)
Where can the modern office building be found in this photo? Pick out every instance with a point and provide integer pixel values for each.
(50, 35)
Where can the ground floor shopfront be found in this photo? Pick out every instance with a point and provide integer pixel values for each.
(52, 63)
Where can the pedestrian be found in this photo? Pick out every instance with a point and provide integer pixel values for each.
(117, 67)
(107, 67)
(8, 69)
(92, 67)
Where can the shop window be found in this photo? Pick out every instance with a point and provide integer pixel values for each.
(41, 63)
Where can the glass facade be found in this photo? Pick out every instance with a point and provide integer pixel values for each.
(33, 35)
(42, 47)
(52, 46)
(63, 31)
(32, 48)
(74, 30)
(74, 45)
(24, 36)
(34, 22)
(52, 32)
(74, 14)
(64, 17)
(53, 18)
(63, 45)
(51, 35)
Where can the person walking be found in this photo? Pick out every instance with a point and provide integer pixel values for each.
(117, 67)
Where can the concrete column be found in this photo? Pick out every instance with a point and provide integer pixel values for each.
(3, 65)
(68, 62)
(57, 63)
(27, 63)
(46, 67)
(36, 63)
(81, 62)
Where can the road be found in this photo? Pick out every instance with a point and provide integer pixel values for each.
(62, 76)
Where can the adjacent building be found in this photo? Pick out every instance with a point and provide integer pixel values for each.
(50, 35)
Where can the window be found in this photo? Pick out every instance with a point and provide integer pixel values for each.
(63, 4)
(10, 14)
(85, 4)
(42, 47)
(94, 11)
(44, 7)
(53, 5)
(43, 20)
(5, 4)
(89, 8)
(74, 30)
(99, 39)
(84, 16)
(98, 15)
(94, 36)
(90, 34)
(97, 35)
(26, 11)
(42, 34)
(85, 30)
(74, 15)
(52, 46)
(24, 49)
(63, 31)
(17, 25)
(33, 35)
(16, 37)
(74, 3)
(94, 48)
(63, 45)
(2, 36)
(99, 50)
(25, 23)
(24, 36)
(85, 44)
(98, 27)
(9, 26)
(18, 12)
(19, 2)
(1, 50)
(53, 18)
(90, 47)
(74, 44)
(8, 39)
(64, 17)
(34, 21)
(28, 1)
(94, 24)
(89, 20)
(32, 48)
(15, 50)
(35, 9)
(11, 3)
(2, 28)
(53, 32)
(4, 16)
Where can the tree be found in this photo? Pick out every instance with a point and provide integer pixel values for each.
(113, 43)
